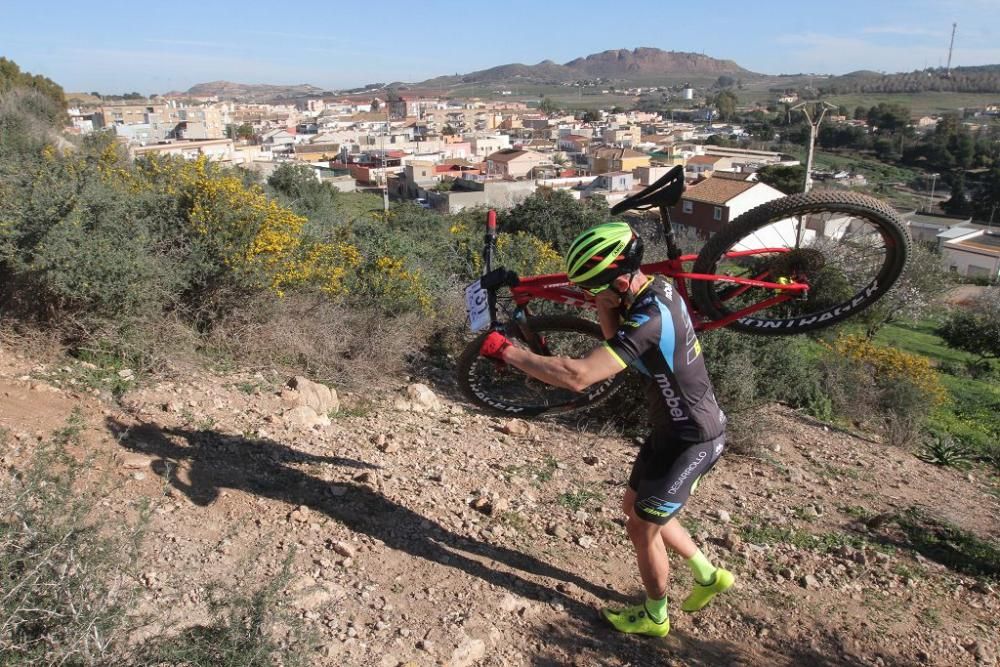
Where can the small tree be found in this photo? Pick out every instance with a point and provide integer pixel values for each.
(787, 179)
(546, 105)
(553, 216)
(725, 102)
(913, 295)
(976, 330)
(959, 202)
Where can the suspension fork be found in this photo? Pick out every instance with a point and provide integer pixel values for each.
(535, 343)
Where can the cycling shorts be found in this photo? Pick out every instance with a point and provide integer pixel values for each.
(666, 473)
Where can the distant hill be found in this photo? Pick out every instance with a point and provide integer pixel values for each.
(250, 92)
(620, 65)
(642, 66)
(976, 79)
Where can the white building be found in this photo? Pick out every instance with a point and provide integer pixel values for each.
(972, 251)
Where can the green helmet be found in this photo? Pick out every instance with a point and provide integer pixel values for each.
(602, 253)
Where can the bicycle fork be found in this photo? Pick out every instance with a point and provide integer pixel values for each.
(535, 343)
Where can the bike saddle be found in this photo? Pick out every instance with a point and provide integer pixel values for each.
(666, 191)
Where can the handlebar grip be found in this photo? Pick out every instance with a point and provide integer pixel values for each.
(500, 277)
(491, 221)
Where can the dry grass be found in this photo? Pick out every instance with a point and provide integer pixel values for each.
(330, 342)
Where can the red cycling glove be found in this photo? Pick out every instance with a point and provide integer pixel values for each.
(494, 345)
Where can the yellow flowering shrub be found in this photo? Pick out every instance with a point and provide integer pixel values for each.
(527, 254)
(890, 364)
(250, 234)
(396, 287)
(521, 252)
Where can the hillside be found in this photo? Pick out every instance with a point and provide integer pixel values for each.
(444, 536)
(622, 65)
(228, 90)
(643, 65)
(977, 79)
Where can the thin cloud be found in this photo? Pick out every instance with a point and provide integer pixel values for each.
(292, 35)
(189, 42)
(902, 30)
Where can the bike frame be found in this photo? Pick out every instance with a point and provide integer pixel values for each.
(557, 288)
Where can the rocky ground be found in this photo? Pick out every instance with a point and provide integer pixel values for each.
(422, 532)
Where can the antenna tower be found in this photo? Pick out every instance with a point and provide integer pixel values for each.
(950, 47)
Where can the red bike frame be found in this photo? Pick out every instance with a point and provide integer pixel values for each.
(555, 287)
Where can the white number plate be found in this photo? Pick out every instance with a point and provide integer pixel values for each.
(477, 306)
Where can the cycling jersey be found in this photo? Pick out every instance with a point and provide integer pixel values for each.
(657, 338)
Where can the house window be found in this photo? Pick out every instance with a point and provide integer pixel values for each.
(717, 213)
(687, 207)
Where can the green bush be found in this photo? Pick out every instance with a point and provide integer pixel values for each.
(749, 371)
(553, 216)
(891, 389)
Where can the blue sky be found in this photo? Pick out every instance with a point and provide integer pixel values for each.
(113, 46)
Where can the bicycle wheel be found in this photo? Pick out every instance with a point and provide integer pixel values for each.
(505, 390)
(849, 248)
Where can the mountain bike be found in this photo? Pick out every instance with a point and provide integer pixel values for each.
(792, 265)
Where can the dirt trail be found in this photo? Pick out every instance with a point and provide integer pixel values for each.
(450, 537)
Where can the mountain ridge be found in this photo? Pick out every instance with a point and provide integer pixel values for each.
(617, 64)
(645, 66)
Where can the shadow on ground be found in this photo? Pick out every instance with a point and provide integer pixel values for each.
(215, 461)
(262, 467)
(598, 645)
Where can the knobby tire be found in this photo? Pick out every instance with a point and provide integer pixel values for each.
(813, 312)
(508, 391)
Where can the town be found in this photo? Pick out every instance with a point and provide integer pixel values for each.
(452, 154)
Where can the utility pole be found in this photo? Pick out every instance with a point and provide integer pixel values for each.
(930, 200)
(813, 131)
(385, 176)
(951, 46)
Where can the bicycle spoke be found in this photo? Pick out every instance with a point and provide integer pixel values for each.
(837, 255)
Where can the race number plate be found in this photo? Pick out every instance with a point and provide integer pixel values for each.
(477, 306)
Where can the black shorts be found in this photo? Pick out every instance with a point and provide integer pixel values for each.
(666, 473)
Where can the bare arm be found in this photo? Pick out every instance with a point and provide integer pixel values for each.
(572, 374)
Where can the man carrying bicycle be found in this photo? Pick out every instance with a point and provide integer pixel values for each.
(647, 326)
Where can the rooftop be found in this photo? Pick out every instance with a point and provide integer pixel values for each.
(506, 155)
(989, 243)
(717, 190)
(935, 219)
(704, 159)
(734, 175)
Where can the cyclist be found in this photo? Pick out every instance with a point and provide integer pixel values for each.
(646, 325)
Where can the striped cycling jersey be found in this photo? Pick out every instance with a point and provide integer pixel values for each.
(657, 338)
